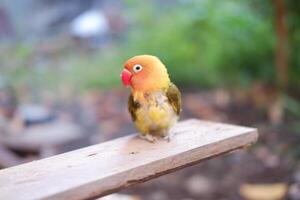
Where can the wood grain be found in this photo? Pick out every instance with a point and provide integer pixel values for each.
(105, 168)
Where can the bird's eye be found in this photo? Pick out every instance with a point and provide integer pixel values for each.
(137, 68)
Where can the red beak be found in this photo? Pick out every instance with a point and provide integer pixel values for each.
(126, 77)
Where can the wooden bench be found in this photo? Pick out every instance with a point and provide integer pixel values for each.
(106, 168)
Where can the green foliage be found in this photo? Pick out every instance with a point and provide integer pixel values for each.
(207, 43)
(96, 69)
(293, 21)
(204, 43)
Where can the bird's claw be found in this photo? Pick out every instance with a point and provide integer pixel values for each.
(168, 137)
(148, 137)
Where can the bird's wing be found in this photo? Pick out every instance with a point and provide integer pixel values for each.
(174, 97)
(132, 107)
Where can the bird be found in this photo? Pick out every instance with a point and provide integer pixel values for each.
(154, 102)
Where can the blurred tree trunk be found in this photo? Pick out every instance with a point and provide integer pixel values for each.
(281, 49)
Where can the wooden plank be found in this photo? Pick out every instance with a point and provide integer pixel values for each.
(108, 167)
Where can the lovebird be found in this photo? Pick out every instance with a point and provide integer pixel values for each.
(155, 102)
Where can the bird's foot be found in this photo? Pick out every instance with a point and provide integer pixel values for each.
(148, 137)
(168, 136)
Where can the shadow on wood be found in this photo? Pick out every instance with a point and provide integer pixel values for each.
(105, 168)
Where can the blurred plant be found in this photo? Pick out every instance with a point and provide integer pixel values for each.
(293, 20)
(207, 42)
(204, 43)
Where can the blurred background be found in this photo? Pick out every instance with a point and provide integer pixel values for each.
(235, 61)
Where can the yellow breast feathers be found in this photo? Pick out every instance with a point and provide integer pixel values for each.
(155, 115)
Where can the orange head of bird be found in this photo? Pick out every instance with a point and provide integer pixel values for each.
(145, 73)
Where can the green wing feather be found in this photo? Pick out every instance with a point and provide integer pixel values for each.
(174, 97)
(132, 107)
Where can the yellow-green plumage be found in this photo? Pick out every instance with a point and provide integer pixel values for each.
(155, 102)
(156, 112)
